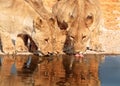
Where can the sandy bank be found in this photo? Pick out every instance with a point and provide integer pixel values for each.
(87, 52)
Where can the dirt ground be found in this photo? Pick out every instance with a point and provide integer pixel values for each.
(111, 13)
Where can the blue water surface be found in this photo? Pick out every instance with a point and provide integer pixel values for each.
(109, 71)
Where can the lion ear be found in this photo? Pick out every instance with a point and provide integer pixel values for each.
(52, 21)
(39, 20)
(89, 20)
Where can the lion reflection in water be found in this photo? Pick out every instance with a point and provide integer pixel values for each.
(58, 70)
(68, 70)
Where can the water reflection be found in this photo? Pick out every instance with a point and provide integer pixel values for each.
(13, 69)
(0, 61)
(62, 70)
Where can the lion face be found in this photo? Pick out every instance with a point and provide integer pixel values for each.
(42, 36)
(79, 37)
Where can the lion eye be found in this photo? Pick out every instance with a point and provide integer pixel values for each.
(72, 38)
(83, 37)
(40, 21)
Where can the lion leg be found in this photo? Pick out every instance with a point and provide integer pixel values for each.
(7, 45)
(20, 43)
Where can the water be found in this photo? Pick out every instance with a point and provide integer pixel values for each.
(110, 71)
(62, 70)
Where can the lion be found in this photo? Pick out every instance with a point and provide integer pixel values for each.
(83, 20)
(16, 16)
